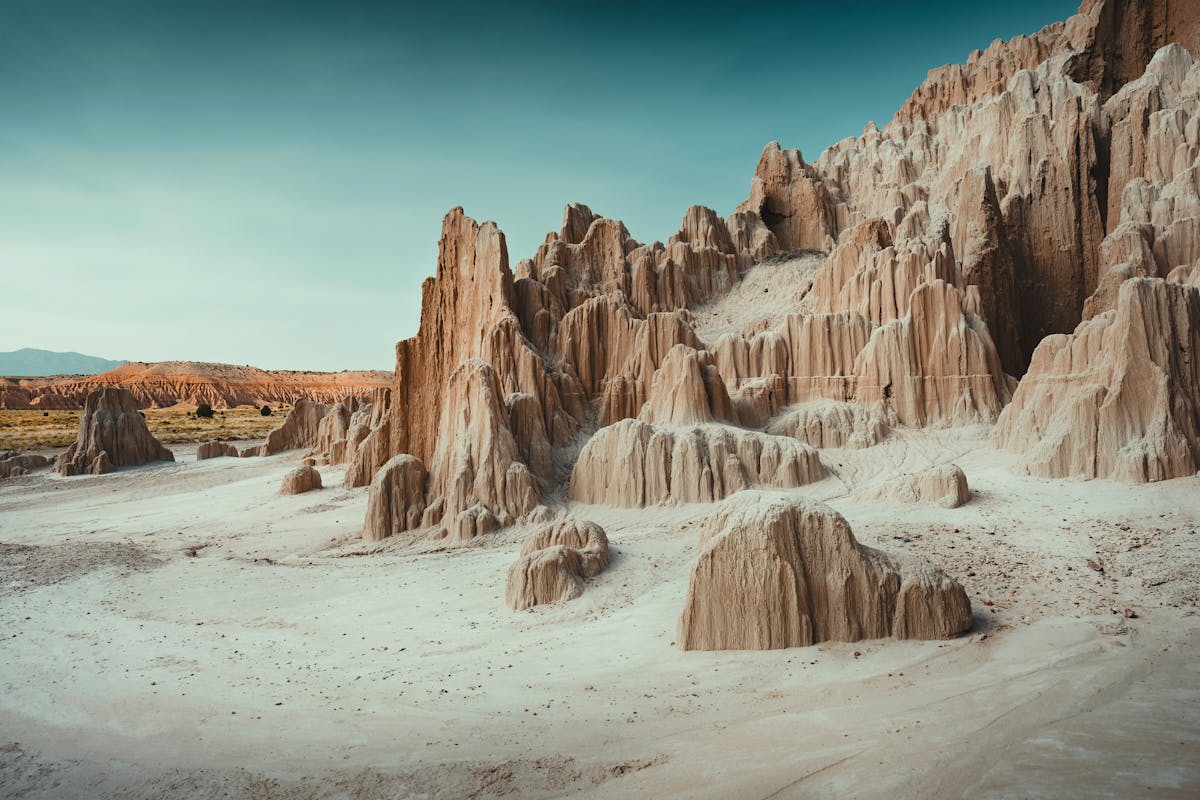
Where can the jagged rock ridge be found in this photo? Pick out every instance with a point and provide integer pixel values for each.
(953, 241)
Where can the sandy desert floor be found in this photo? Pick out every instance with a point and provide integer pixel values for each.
(184, 631)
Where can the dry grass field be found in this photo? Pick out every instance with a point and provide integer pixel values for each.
(34, 429)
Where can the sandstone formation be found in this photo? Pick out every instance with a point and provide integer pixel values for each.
(167, 383)
(13, 464)
(301, 479)
(554, 562)
(215, 450)
(584, 536)
(944, 485)
(633, 464)
(112, 433)
(299, 430)
(396, 500)
(775, 574)
(1118, 398)
(828, 423)
(911, 271)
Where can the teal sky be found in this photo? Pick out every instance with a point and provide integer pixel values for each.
(263, 183)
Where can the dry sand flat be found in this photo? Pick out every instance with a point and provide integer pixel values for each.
(183, 630)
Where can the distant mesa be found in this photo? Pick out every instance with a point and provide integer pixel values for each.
(166, 383)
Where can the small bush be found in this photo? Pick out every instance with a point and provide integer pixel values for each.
(204, 411)
(265, 411)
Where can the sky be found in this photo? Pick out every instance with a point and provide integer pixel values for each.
(264, 182)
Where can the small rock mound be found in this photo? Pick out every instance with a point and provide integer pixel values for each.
(13, 464)
(829, 423)
(784, 573)
(554, 562)
(945, 485)
(300, 480)
(215, 450)
(632, 464)
(112, 433)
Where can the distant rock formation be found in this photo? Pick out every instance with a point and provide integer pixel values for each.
(775, 574)
(13, 464)
(944, 485)
(112, 433)
(300, 480)
(167, 383)
(299, 430)
(215, 450)
(1118, 398)
(554, 562)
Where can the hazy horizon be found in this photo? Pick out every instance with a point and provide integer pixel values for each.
(264, 183)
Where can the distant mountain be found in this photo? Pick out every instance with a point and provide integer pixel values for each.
(29, 361)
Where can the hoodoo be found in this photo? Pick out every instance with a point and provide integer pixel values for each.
(112, 433)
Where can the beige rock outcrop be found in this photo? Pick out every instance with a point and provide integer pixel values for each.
(792, 200)
(1118, 398)
(396, 500)
(215, 450)
(911, 269)
(583, 535)
(827, 423)
(301, 479)
(298, 431)
(776, 573)
(944, 485)
(632, 464)
(13, 463)
(554, 563)
(112, 433)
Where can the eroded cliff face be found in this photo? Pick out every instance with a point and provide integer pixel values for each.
(914, 271)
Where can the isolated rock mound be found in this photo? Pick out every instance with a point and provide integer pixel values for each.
(775, 574)
(13, 464)
(554, 562)
(112, 433)
(633, 464)
(300, 480)
(215, 450)
(1118, 398)
(583, 535)
(944, 485)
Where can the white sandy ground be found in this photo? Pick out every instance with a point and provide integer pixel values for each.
(183, 631)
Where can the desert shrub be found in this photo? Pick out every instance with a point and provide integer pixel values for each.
(265, 411)
(204, 411)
